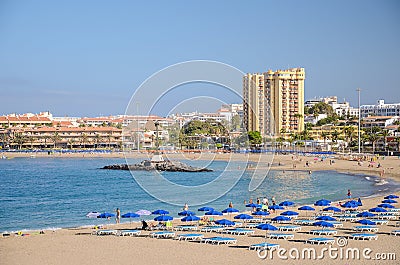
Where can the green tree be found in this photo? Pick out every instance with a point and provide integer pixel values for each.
(55, 138)
(254, 137)
(19, 139)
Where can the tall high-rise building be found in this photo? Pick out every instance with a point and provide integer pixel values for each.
(273, 102)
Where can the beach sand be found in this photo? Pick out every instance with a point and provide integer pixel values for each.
(79, 246)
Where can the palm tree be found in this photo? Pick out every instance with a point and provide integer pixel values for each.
(83, 139)
(19, 139)
(385, 133)
(71, 142)
(97, 140)
(373, 137)
(31, 139)
(56, 137)
(335, 135)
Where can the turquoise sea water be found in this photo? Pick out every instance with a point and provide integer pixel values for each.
(44, 193)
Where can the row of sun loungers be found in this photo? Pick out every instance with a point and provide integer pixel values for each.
(364, 236)
(219, 240)
(117, 233)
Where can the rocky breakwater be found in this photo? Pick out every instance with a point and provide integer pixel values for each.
(147, 165)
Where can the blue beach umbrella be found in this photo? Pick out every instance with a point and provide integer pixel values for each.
(350, 204)
(322, 202)
(230, 210)
(389, 201)
(323, 224)
(186, 213)
(325, 218)
(190, 218)
(286, 203)
(243, 216)
(391, 196)
(213, 212)
(205, 209)
(280, 218)
(377, 210)
(331, 208)
(160, 212)
(130, 215)
(359, 202)
(365, 214)
(366, 222)
(290, 213)
(386, 205)
(266, 227)
(261, 213)
(306, 208)
(253, 205)
(105, 215)
(225, 222)
(163, 218)
(276, 207)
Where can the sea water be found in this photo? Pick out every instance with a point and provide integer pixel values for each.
(40, 193)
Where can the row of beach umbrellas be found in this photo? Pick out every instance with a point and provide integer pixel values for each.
(284, 216)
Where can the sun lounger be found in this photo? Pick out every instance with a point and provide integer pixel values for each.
(238, 231)
(369, 228)
(280, 236)
(380, 222)
(190, 237)
(395, 232)
(162, 234)
(185, 228)
(250, 225)
(386, 217)
(106, 232)
(219, 240)
(320, 240)
(326, 213)
(364, 236)
(304, 222)
(129, 232)
(264, 245)
(289, 228)
(254, 220)
(336, 224)
(347, 218)
(216, 228)
(326, 232)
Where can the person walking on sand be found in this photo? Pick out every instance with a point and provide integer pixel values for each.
(230, 205)
(273, 200)
(118, 216)
(185, 207)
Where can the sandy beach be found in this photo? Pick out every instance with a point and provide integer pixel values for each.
(79, 246)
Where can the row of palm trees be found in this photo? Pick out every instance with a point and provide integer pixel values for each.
(347, 133)
(19, 140)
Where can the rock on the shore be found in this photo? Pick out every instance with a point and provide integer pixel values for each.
(147, 165)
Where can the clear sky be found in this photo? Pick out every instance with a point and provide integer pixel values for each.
(86, 58)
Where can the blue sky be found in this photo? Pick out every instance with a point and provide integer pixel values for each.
(86, 58)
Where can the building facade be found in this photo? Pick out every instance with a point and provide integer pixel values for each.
(273, 102)
(380, 109)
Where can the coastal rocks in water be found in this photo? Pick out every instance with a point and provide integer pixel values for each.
(147, 165)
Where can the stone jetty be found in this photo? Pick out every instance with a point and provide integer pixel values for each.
(147, 165)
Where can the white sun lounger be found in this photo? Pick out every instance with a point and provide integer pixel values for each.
(264, 245)
(238, 231)
(216, 228)
(219, 240)
(289, 228)
(162, 234)
(190, 237)
(336, 224)
(364, 236)
(186, 228)
(380, 222)
(280, 236)
(395, 232)
(303, 222)
(106, 232)
(250, 225)
(320, 240)
(326, 232)
(386, 217)
(369, 228)
(129, 232)
(348, 218)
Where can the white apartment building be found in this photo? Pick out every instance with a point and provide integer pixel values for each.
(380, 109)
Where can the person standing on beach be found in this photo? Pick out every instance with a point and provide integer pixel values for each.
(186, 207)
(230, 205)
(273, 200)
(118, 216)
(349, 194)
